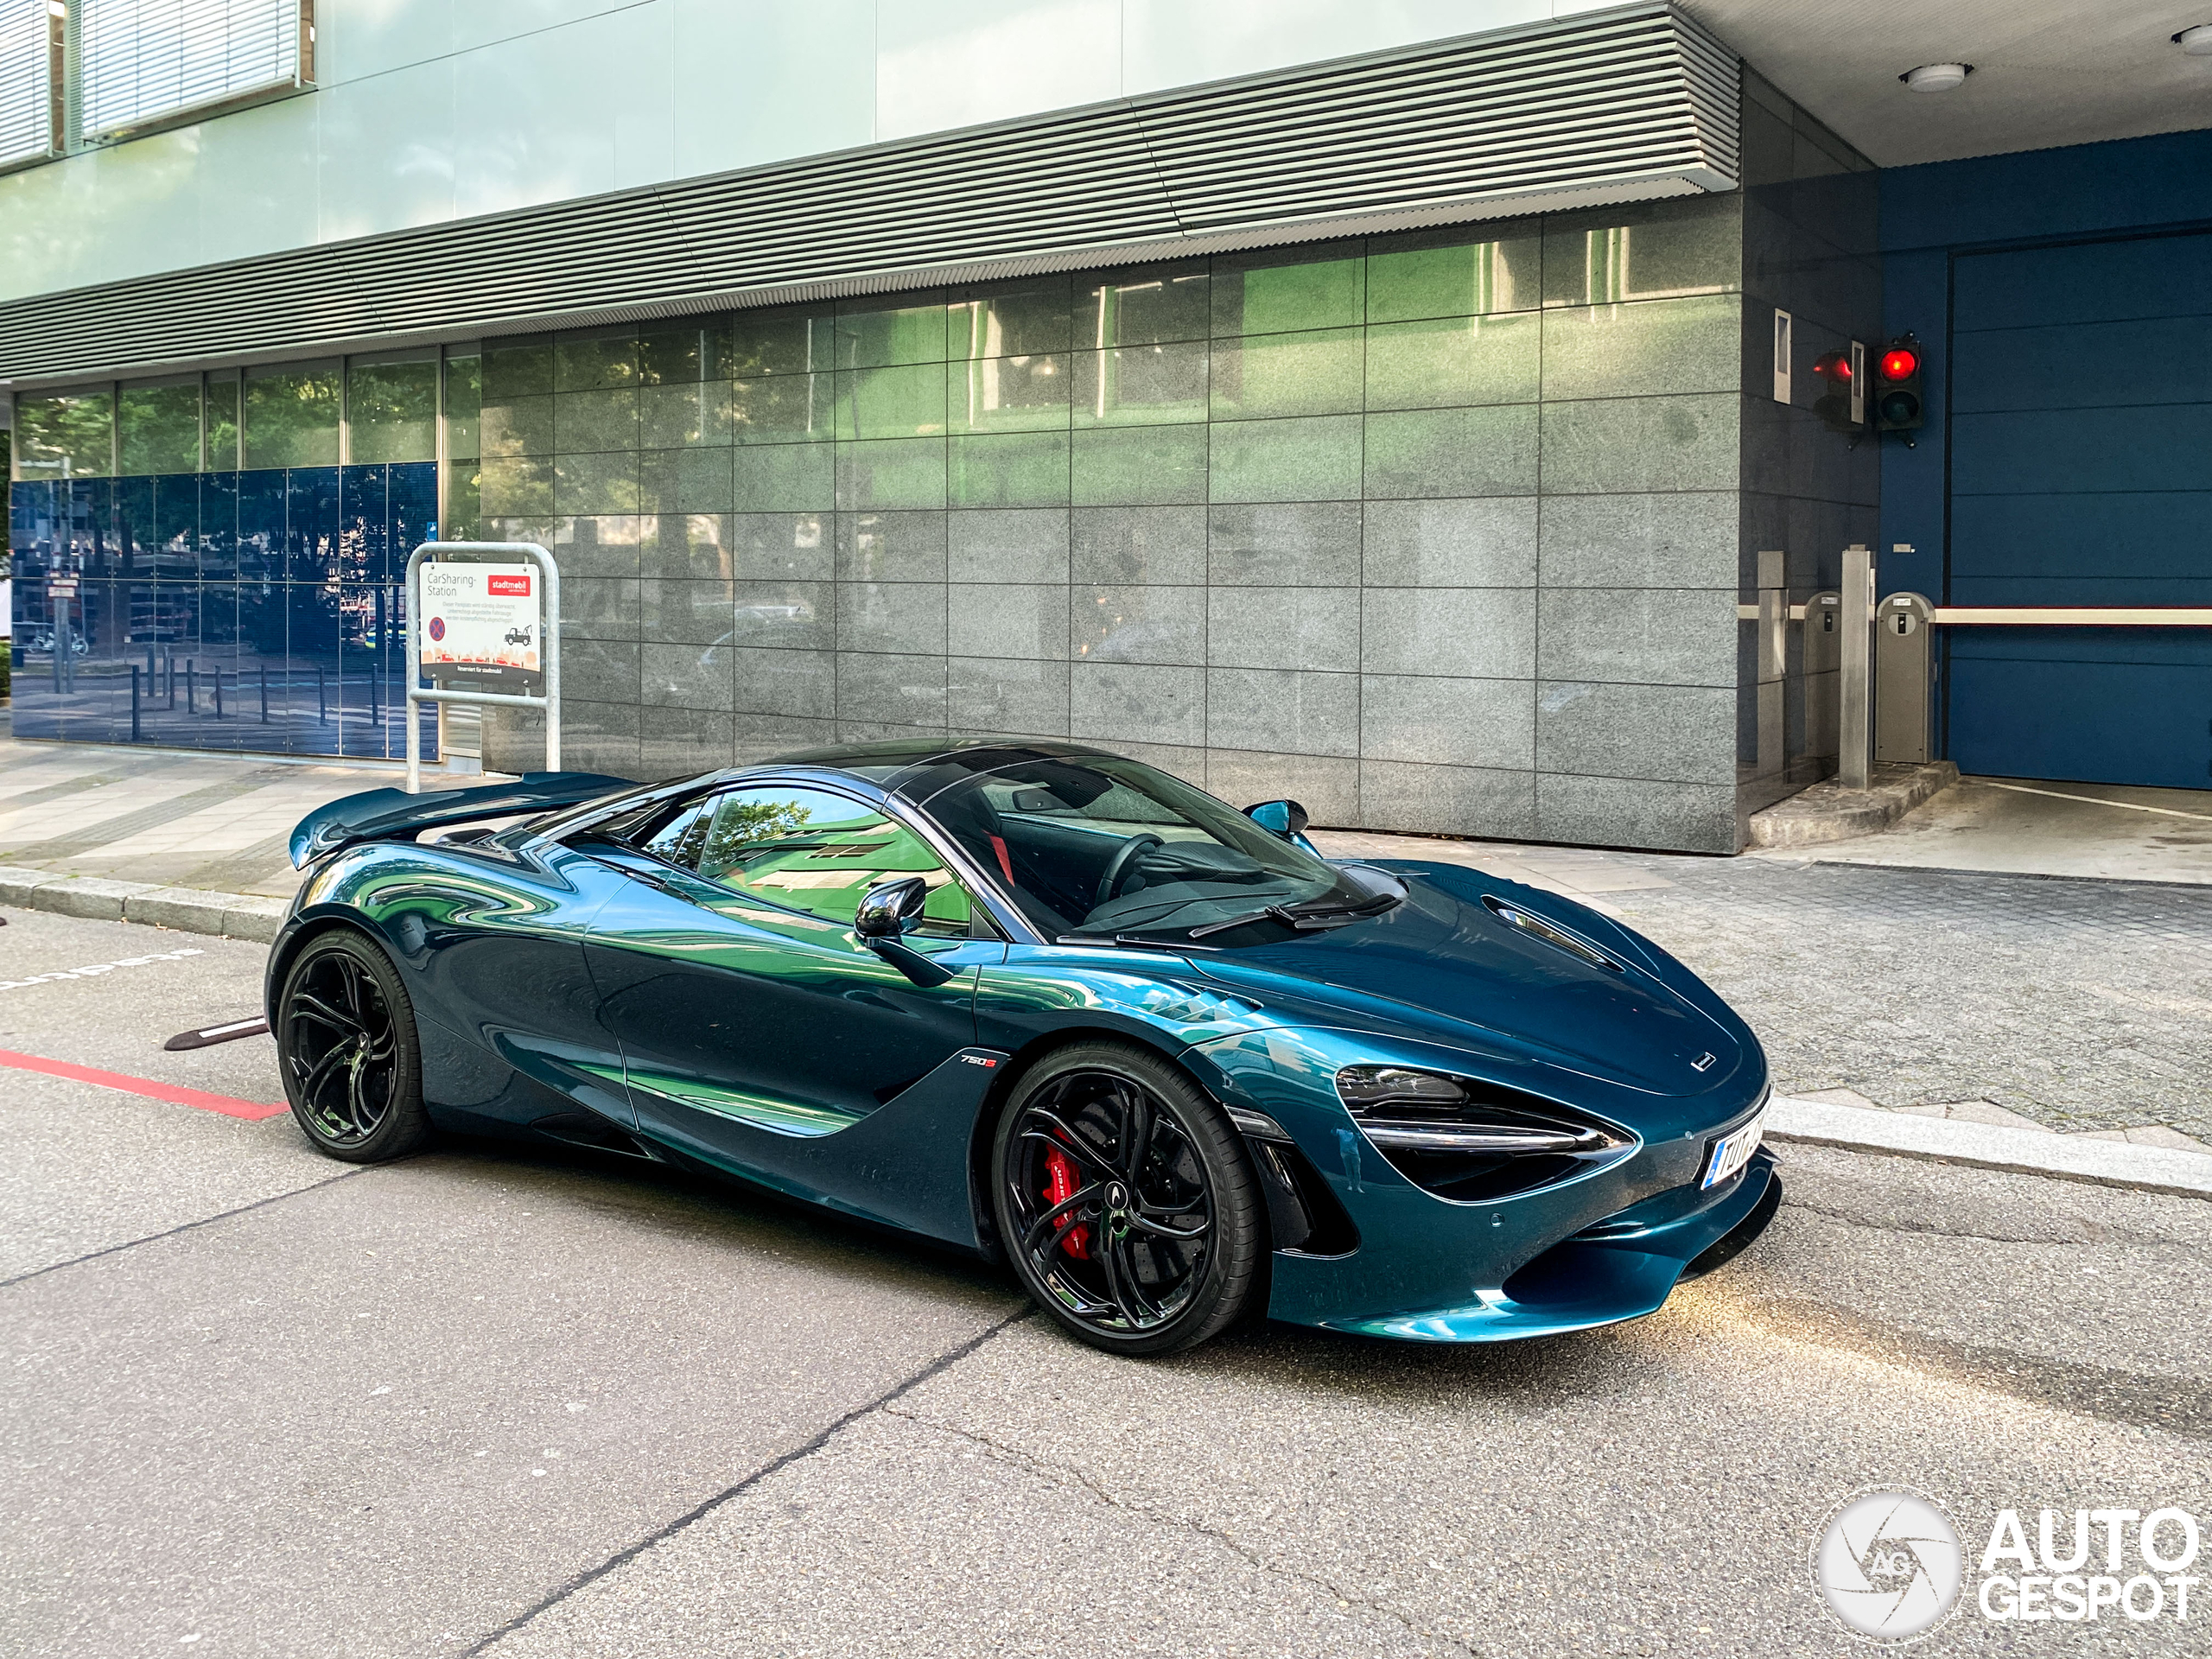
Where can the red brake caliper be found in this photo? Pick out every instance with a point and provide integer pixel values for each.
(1059, 1187)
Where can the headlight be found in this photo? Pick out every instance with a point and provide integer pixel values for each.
(1468, 1140)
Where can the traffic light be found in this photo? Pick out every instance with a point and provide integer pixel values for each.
(1897, 392)
(1843, 404)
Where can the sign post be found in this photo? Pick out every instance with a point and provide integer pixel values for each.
(486, 627)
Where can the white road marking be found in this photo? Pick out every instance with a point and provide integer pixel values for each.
(94, 969)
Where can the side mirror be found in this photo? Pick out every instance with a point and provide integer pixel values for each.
(886, 908)
(1284, 818)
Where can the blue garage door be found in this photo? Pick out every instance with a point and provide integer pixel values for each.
(2081, 475)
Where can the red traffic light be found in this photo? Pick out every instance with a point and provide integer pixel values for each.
(1835, 366)
(1898, 363)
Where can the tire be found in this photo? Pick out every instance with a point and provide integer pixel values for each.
(346, 1047)
(1098, 1240)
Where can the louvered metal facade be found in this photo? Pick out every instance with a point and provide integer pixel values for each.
(30, 64)
(1632, 103)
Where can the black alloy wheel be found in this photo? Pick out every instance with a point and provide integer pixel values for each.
(1126, 1200)
(346, 1047)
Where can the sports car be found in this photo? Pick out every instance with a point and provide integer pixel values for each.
(1160, 1057)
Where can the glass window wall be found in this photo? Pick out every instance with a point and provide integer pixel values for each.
(157, 426)
(292, 415)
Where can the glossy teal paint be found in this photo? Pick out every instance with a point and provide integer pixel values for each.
(772, 1045)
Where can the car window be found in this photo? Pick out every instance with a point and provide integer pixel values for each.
(808, 849)
(1097, 844)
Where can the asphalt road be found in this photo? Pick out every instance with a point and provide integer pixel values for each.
(499, 1401)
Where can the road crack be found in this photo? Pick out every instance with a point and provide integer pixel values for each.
(623, 1557)
(1061, 1473)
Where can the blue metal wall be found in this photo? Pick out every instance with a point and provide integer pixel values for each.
(2065, 299)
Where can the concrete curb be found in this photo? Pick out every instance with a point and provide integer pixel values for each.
(186, 910)
(1828, 812)
(1988, 1145)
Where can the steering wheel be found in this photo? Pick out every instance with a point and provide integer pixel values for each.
(1118, 866)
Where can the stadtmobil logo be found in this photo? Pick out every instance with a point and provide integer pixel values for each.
(517, 587)
(1891, 1567)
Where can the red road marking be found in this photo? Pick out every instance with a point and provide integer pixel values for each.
(176, 1094)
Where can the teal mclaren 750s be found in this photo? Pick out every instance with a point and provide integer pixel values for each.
(1166, 1063)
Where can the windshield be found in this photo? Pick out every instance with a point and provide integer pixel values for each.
(1101, 845)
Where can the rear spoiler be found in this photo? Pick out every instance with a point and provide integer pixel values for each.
(393, 814)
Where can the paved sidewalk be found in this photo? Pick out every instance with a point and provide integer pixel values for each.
(172, 818)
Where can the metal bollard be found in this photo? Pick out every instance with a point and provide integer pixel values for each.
(265, 694)
(133, 696)
(322, 698)
(219, 693)
(1854, 726)
(191, 685)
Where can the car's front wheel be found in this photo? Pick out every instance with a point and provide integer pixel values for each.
(1126, 1200)
(346, 1043)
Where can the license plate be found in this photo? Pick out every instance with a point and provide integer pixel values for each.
(1732, 1151)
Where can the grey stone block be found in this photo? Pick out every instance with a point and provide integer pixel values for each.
(684, 611)
(248, 916)
(754, 738)
(1637, 636)
(1007, 545)
(94, 898)
(1282, 709)
(1283, 627)
(1685, 539)
(1138, 544)
(1451, 452)
(996, 694)
(785, 615)
(1139, 625)
(1327, 788)
(589, 547)
(192, 910)
(1124, 702)
(890, 546)
(785, 546)
(1670, 733)
(802, 684)
(1014, 544)
(1626, 812)
(1488, 633)
(672, 741)
(600, 670)
(1652, 346)
(686, 677)
(1488, 542)
(1447, 800)
(1294, 543)
(891, 616)
(599, 607)
(1620, 251)
(1618, 444)
(1012, 620)
(1455, 722)
(17, 883)
(899, 691)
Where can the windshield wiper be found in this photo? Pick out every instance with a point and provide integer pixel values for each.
(1305, 917)
(1130, 940)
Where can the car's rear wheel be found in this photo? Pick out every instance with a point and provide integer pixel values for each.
(1126, 1200)
(346, 1047)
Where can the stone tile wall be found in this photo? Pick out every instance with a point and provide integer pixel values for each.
(1435, 532)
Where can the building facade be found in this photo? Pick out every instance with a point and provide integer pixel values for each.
(1409, 432)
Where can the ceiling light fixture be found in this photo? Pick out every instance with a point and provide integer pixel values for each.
(2197, 41)
(1936, 77)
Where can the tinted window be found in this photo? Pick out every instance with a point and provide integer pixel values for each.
(807, 849)
(1104, 845)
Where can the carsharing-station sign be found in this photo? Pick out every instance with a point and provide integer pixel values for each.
(482, 626)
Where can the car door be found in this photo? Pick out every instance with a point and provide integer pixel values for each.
(748, 1010)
